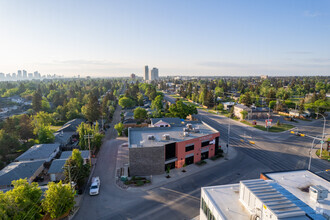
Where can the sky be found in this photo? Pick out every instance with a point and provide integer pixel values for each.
(179, 37)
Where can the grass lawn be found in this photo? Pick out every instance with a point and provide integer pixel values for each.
(325, 154)
(280, 128)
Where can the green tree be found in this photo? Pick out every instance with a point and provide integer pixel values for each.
(8, 143)
(302, 106)
(272, 104)
(23, 200)
(119, 127)
(157, 103)
(25, 128)
(140, 113)
(59, 199)
(140, 99)
(75, 169)
(244, 114)
(45, 106)
(92, 111)
(45, 135)
(179, 109)
(220, 107)
(73, 109)
(126, 102)
(37, 101)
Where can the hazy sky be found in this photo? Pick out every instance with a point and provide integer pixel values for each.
(180, 37)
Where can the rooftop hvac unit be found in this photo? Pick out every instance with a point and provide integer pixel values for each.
(151, 137)
(196, 129)
(185, 129)
(166, 137)
(189, 126)
(185, 134)
(318, 192)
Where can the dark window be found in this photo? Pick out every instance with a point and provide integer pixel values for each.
(204, 155)
(189, 148)
(205, 143)
(169, 151)
(207, 211)
(189, 160)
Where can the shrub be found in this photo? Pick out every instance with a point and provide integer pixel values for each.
(139, 183)
(202, 162)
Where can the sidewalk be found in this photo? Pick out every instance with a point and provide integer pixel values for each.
(176, 174)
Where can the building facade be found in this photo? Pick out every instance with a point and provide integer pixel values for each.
(146, 73)
(154, 74)
(154, 149)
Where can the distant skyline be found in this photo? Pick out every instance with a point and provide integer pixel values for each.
(186, 37)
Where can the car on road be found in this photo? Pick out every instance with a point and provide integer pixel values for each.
(95, 186)
(287, 118)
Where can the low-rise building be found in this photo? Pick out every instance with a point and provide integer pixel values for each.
(71, 126)
(153, 149)
(228, 105)
(253, 112)
(56, 169)
(165, 122)
(40, 152)
(20, 170)
(279, 195)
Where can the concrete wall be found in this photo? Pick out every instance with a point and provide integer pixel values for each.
(144, 161)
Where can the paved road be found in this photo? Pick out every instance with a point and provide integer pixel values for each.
(180, 199)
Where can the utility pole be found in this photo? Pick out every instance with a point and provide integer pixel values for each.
(322, 134)
(228, 140)
(89, 136)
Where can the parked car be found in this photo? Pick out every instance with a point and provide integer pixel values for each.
(95, 186)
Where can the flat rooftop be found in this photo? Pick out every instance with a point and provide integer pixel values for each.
(225, 199)
(138, 137)
(298, 183)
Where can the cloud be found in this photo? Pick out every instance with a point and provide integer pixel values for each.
(312, 14)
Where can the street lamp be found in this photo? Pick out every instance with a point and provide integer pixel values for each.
(322, 134)
(310, 155)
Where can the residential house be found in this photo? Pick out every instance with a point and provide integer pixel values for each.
(44, 152)
(56, 169)
(20, 170)
(165, 122)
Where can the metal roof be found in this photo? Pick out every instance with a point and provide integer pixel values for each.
(19, 170)
(273, 198)
(37, 152)
(71, 125)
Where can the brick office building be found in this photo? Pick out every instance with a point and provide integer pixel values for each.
(153, 149)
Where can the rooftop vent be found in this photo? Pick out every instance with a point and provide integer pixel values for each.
(151, 137)
(185, 134)
(318, 193)
(196, 129)
(185, 129)
(189, 126)
(166, 137)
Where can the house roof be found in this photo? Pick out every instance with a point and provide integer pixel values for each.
(244, 107)
(63, 137)
(67, 154)
(71, 125)
(19, 170)
(171, 121)
(57, 166)
(38, 152)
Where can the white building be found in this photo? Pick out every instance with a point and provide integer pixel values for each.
(146, 73)
(282, 195)
(154, 74)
